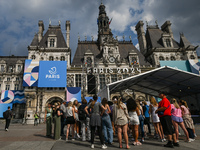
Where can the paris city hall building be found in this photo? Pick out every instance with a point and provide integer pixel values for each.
(95, 63)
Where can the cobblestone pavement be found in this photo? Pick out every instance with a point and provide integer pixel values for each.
(29, 137)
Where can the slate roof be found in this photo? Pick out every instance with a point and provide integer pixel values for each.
(184, 42)
(52, 30)
(12, 60)
(154, 38)
(124, 49)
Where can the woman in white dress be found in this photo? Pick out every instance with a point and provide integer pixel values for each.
(76, 125)
(155, 119)
(134, 119)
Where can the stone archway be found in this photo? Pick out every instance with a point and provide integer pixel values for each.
(54, 100)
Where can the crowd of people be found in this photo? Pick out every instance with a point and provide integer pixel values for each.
(130, 119)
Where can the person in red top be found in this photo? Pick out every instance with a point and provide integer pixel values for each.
(164, 112)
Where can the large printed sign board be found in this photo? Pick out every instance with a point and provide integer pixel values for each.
(52, 74)
(31, 70)
(74, 93)
(45, 73)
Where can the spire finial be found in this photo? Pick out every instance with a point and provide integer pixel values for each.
(156, 22)
(49, 21)
(78, 37)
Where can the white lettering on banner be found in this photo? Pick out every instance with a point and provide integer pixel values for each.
(119, 70)
(113, 70)
(52, 74)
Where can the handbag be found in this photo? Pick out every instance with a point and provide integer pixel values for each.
(162, 112)
(125, 113)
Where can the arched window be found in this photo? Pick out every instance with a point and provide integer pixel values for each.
(51, 58)
(173, 58)
(62, 58)
(192, 57)
(161, 58)
(33, 57)
(52, 42)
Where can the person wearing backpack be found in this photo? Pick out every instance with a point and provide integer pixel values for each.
(7, 115)
(83, 119)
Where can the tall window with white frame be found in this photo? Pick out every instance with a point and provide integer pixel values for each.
(10, 69)
(102, 81)
(62, 58)
(7, 87)
(51, 58)
(168, 43)
(16, 86)
(78, 80)
(114, 77)
(2, 68)
(8, 78)
(17, 78)
(19, 68)
(52, 42)
(33, 57)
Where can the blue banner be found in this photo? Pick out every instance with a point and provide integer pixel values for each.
(52, 74)
(73, 93)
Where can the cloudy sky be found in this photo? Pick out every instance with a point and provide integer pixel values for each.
(19, 19)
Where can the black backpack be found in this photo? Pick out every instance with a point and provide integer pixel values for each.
(6, 114)
(81, 113)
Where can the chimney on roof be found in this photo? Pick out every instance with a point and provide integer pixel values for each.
(141, 36)
(67, 32)
(166, 27)
(41, 29)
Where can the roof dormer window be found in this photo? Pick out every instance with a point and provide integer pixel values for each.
(168, 43)
(52, 42)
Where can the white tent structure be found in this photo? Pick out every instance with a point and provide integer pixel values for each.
(174, 82)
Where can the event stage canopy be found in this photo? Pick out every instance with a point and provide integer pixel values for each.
(173, 82)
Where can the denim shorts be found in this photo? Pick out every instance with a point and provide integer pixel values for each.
(177, 119)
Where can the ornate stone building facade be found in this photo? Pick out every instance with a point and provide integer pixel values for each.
(105, 60)
(96, 62)
(159, 44)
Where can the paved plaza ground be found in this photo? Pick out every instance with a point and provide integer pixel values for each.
(29, 137)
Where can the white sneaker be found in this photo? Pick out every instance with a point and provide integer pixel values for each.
(192, 140)
(6, 129)
(164, 140)
(195, 135)
(73, 139)
(177, 141)
(66, 140)
(188, 141)
(104, 146)
(92, 146)
(78, 136)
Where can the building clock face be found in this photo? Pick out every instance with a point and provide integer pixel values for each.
(112, 59)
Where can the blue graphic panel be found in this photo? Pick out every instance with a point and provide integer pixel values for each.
(52, 74)
(74, 93)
